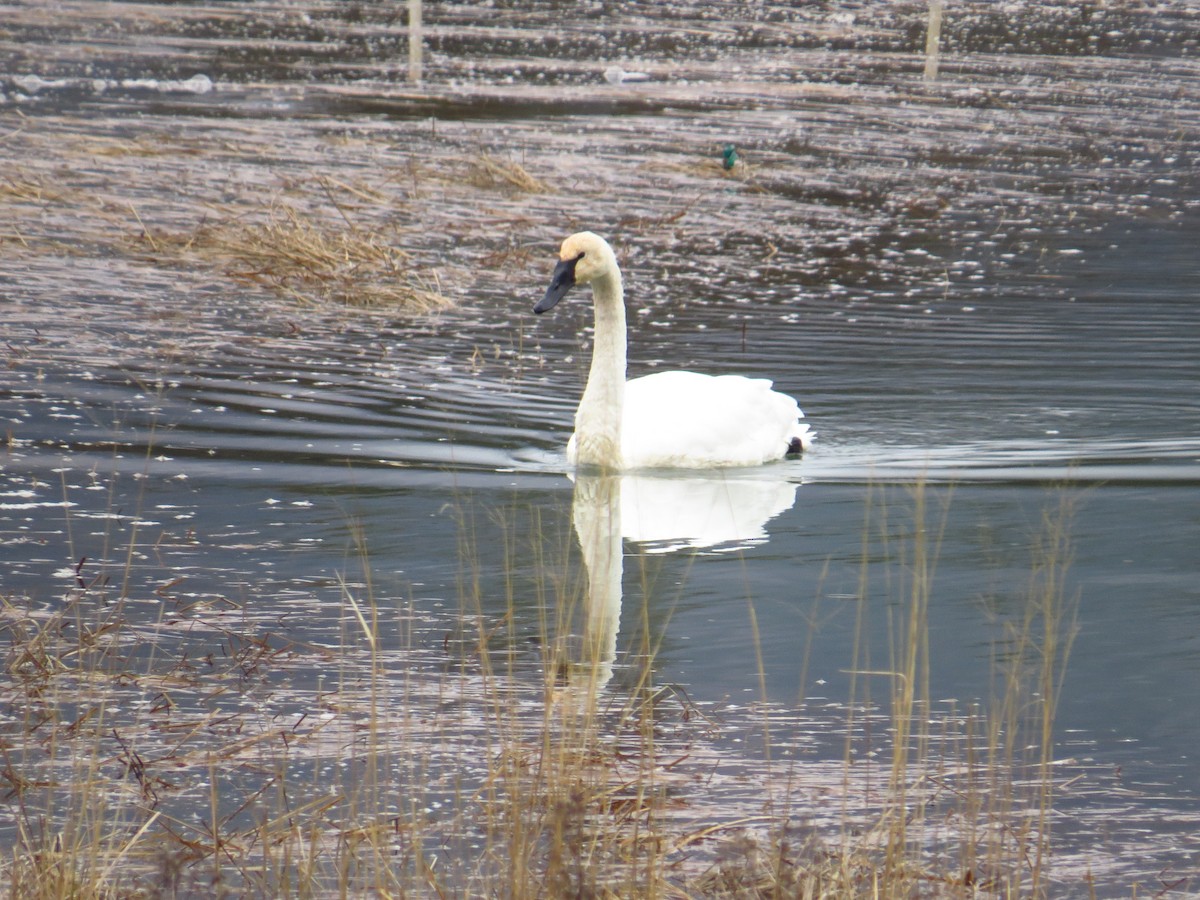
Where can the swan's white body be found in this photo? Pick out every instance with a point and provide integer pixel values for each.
(688, 420)
(668, 419)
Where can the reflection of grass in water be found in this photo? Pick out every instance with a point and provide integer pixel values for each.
(487, 761)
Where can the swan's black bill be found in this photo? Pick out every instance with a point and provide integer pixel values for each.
(561, 282)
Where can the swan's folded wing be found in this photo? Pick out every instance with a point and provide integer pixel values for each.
(691, 420)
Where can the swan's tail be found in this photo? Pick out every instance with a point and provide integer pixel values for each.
(800, 439)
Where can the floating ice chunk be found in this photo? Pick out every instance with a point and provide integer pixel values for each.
(197, 84)
(30, 84)
(617, 75)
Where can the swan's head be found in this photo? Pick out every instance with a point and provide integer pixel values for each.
(582, 259)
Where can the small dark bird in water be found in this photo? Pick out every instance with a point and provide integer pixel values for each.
(729, 157)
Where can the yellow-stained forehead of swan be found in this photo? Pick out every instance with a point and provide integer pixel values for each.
(571, 247)
(581, 243)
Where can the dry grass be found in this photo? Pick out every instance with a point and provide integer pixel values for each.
(136, 764)
(144, 145)
(25, 187)
(487, 172)
(357, 236)
(319, 239)
(306, 259)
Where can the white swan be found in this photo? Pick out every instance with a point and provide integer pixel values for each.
(668, 419)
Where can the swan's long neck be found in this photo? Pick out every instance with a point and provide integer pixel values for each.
(598, 419)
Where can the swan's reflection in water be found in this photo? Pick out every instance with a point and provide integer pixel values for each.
(663, 513)
(672, 513)
(596, 513)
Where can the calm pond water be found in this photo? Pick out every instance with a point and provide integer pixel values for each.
(988, 282)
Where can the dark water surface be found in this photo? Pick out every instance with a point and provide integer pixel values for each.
(988, 282)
